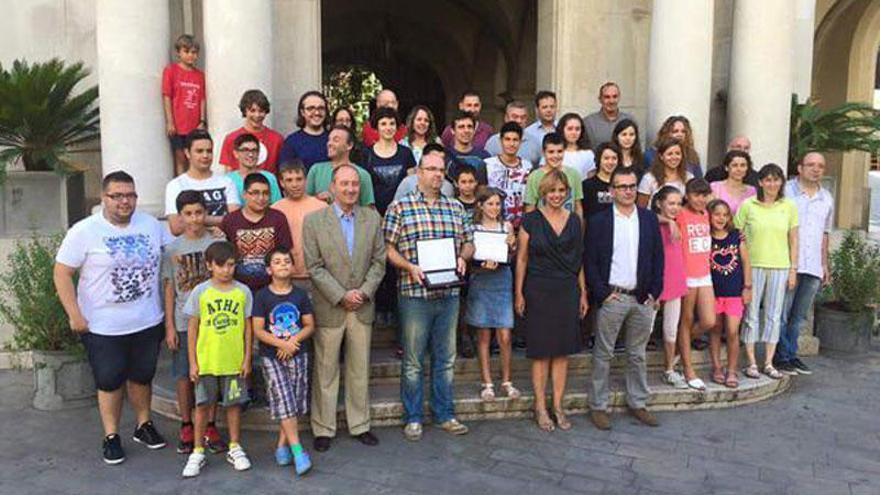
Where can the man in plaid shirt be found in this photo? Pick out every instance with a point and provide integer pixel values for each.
(428, 317)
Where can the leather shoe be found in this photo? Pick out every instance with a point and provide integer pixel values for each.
(600, 419)
(367, 438)
(644, 416)
(322, 444)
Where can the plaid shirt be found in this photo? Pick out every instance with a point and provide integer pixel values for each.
(411, 218)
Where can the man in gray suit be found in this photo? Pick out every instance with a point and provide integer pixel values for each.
(345, 256)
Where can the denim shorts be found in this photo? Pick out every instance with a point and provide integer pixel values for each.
(180, 358)
(231, 390)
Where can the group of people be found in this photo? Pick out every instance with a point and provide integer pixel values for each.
(285, 261)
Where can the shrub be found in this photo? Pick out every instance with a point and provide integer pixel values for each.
(855, 273)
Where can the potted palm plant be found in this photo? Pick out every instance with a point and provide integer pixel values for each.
(844, 320)
(28, 301)
(43, 117)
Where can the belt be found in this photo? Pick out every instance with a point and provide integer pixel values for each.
(621, 290)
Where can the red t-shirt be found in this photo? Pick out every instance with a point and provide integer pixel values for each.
(270, 148)
(370, 135)
(186, 88)
(696, 242)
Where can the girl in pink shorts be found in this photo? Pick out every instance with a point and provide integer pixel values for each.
(732, 283)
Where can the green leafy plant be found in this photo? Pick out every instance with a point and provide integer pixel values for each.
(855, 273)
(29, 302)
(42, 117)
(847, 127)
(352, 87)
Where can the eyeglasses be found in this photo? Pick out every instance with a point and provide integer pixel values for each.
(319, 108)
(249, 150)
(434, 169)
(121, 196)
(625, 187)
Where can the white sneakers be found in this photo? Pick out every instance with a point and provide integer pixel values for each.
(674, 379)
(196, 461)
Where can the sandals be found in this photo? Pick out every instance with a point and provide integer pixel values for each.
(751, 371)
(718, 376)
(510, 391)
(487, 393)
(561, 420)
(772, 372)
(696, 384)
(544, 422)
(731, 381)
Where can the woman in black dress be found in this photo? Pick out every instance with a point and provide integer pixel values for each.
(550, 293)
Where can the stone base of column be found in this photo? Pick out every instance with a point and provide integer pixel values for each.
(808, 345)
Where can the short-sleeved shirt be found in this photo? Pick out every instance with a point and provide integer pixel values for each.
(321, 175)
(696, 241)
(692, 168)
(456, 159)
(270, 148)
(186, 88)
(674, 274)
(411, 182)
(295, 212)
(274, 190)
(119, 272)
(719, 190)
(388, 173)
(599, 129)
(649, 186)
(536, 132)
(528, 148)
(512, 181)
(307, 147)
(815, 215)
(283, 314)
(597, 195)
(766, 230)
(727, 271)
(183, 263)
(218, 192)
(411, 219)
(253, 241)
(222, 314)
(574, 183)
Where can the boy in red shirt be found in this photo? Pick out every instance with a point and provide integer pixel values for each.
(183, 96)
(254, 106)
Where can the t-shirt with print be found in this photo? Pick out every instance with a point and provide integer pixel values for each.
(270, 149)
(512, 181)
(274, 190)
(727, 271)
(283, 314)
(696, 241)
(119, 289)
(183, 263)
(597, 196)
(766, 231)
(253, 241)
(217, 190)
(387, 173)
(574, 182)
(308, 148)
(456, 159)
(222, 314)
(186, 88)
(321, 175)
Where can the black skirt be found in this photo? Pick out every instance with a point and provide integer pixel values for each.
(552, 323)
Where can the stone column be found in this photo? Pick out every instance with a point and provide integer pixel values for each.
(761, 75)
(238, 57)
(804, 31)
(297, 33)
(132, 51)
(680, 67)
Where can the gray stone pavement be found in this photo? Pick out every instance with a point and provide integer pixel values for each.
(822, 437)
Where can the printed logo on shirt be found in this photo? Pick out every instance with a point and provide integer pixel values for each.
(215, 201)
(135, 267)
(191, 271)
(604, 197)
(253, 245)
(725, 259)
(699, 240)
(223, 314)
(284, 320)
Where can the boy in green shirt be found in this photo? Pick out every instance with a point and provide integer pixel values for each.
(220, 340)
(553, 147)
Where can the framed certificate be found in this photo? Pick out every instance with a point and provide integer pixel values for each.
(437, 259)
(491, 246)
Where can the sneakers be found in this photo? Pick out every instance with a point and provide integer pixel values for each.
(674, 379)
(147, 435)
(302, 462)
(194, 464)
(454, 427)
(187, 439)
(238, 458)
(113, 453)
(800, 367)
(413, 432)
(213, 441)
(283, 457)
(786, 368)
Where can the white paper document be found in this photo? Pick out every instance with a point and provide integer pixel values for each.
(436, 254)
(490, 246)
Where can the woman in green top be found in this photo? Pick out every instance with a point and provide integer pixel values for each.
(769, 222)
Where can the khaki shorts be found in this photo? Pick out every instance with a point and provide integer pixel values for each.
(226, 390)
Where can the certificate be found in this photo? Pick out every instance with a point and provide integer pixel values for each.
(436, 258)
(491, 246)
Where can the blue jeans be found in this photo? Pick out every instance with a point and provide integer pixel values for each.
(794, 312)
(428, 325)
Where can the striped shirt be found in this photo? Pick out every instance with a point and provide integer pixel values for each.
(410, 219)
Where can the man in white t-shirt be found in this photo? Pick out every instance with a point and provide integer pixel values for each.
(220, 193)
(116, 306)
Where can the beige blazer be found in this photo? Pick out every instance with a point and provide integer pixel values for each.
(334, 272)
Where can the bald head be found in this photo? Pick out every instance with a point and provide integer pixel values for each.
(740, 143)
(386, 98)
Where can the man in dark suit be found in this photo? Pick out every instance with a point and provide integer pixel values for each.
(624, 267)
(345, 255)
